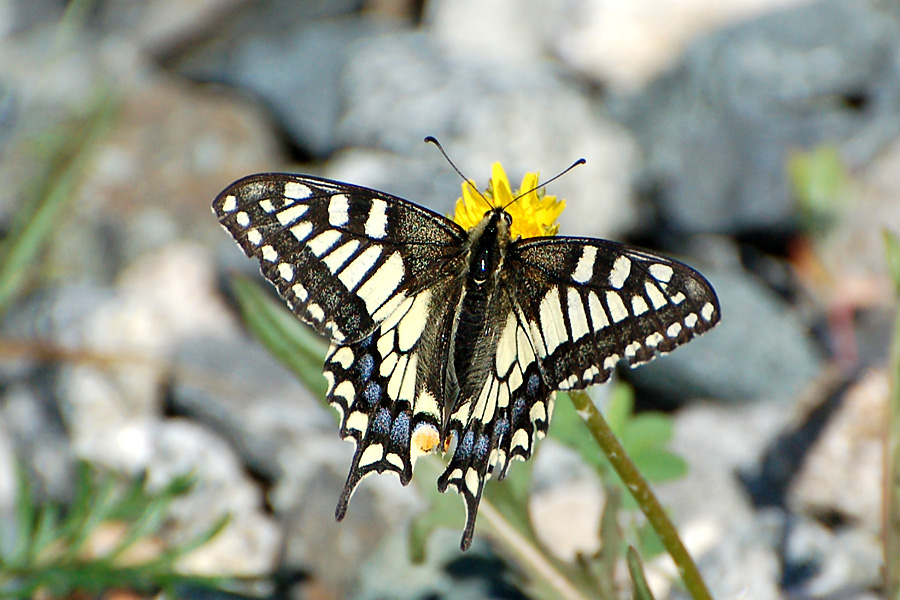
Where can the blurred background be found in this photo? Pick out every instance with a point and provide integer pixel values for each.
(757, 140)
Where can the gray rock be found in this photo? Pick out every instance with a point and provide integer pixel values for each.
(529, 116)
(249, 545)
(292, 61)
(842, 475)
(306, 496)
(760, 350)
(736, 547)
(717, 131)
(388, 573)
(257, 405)
(299, 78)
(35, 438)
(9, 110)
(8, 491)
(845, 562)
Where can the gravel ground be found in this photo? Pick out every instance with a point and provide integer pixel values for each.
(123, 344)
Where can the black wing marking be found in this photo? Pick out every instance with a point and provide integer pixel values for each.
(342, 256)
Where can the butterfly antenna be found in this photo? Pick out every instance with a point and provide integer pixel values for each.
(578, 162)
(433, 140)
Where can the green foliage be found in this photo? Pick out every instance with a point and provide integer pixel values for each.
(107, 538)
(294, 344)
(892, 254)
(641, 590)
(644, 437)
(819, 183)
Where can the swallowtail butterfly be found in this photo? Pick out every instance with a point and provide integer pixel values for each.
(439, 334)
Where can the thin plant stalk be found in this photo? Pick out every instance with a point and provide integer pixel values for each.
(892, 463)
(642, 493)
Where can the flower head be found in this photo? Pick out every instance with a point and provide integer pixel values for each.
(534, 214)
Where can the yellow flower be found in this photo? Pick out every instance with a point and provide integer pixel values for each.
(534, 214)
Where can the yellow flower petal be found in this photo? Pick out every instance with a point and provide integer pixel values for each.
(500, 186)
(534, 214)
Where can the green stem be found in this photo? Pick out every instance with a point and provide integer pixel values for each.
(891, 508)
(892, 475)
(642, 493)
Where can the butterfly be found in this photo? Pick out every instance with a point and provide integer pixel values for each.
(452, 339)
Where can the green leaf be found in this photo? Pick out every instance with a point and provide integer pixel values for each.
(646, 430)
(640, 589)
(649, 541)
(659, 465)
(25, 517)
(620, 408)
(819, 181)
(603, 567)
(294, 344)
(510, 497)
(444, 510)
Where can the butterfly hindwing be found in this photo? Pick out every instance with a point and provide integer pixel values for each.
(386, 389)
(342, 256)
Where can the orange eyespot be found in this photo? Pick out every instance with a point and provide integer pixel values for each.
(425, 438)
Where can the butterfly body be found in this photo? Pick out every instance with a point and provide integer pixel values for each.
(441, 334)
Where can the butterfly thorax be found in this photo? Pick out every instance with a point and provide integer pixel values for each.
(485, 253)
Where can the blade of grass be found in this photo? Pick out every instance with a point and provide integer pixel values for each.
(642, 493)
(26, 510)
(640, 589)
(46, 531)
(101, 501)
(201, 539)
(53, 192)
